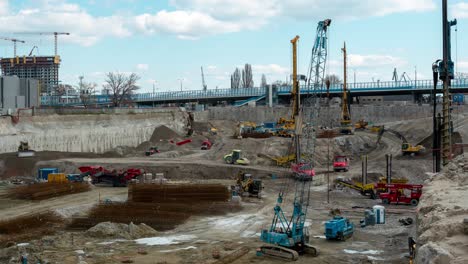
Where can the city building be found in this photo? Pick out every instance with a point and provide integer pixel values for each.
(44, 68)
(18, 93)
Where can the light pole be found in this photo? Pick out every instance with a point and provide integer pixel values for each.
(154, 87)
(181, 80)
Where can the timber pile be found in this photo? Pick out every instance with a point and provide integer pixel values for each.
(41, 191)
(162, 207)
(28, 227)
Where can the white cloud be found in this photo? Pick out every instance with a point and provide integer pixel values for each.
(192, 19)
(370, 61)
(459, 10)
(336, 9)
(142, 67)
(269, 69)
(184, 24)
(462, 65)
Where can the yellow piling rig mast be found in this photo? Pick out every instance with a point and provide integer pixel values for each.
(345, 122)
(289, 125)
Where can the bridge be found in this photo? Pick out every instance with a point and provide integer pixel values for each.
(239, 97)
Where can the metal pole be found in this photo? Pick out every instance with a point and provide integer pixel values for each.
(435, 133)
(446, 152)
(153, 93)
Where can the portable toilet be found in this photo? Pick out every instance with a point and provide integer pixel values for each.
(379, 212)
(43, 173)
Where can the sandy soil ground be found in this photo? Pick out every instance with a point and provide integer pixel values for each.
(195, 240)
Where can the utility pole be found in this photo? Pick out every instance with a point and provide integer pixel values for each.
(154, 84)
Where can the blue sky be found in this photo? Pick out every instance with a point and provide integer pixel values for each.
(168, 40)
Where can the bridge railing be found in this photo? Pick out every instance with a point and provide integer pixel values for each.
(254, 92)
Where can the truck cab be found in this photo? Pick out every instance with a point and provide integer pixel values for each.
(341, 163)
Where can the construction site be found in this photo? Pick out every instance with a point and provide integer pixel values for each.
(309, 181)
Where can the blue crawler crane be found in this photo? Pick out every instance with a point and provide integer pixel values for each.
(339, 228)
(287, 238)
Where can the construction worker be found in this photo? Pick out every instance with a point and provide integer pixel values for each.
(412, 249)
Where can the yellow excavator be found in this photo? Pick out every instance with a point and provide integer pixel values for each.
(345, 122)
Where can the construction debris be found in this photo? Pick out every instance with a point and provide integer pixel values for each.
(41, 191)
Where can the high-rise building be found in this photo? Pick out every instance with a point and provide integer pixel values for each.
(44, 68)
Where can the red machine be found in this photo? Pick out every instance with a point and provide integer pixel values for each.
(400, 193)
(118, 178)
(341, 163)
(183, 142)
(206, 145)
(303, 171)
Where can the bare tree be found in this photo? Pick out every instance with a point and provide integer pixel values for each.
(87, 92)
(263, 84)
(121, 86)
(247, 79)
(236, 79)
(333, 78)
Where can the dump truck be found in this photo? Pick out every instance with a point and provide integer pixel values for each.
(341, 163)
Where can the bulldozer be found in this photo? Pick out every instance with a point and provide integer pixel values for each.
(235, 157)
(245, 184)
(24, 150)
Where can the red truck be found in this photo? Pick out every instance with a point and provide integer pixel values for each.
(341, 163)
(401, 193)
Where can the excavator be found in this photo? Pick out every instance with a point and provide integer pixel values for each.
(345, 122)
(286, 238)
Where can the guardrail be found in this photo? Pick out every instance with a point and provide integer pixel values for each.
(256, 92)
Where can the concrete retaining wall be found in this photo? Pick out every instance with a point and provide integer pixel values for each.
(87, 133)
(327, 117)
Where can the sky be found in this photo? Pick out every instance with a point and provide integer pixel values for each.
(167, 41)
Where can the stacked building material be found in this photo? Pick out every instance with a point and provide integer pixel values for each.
(162, 207)
(41, 191)
(178, 193)
(31, 226)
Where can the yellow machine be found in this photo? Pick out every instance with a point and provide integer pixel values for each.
(345, 122)
(361, 124)
(287, 126)
(235, 157)
(408, 149)
(364, 189)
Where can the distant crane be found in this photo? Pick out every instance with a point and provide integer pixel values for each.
(31, 52)
(56, 34)
(404, 77)
(203, 79)
(14, 43)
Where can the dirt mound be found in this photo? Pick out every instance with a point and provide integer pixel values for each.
(117, 230)
(441, 215)
(163, 133)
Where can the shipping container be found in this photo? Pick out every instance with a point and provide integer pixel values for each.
(43, 173)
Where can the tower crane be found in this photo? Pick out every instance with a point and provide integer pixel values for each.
(345, 121)
(56, 34)
(203, 79)
(288, 237)
(14, 43)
